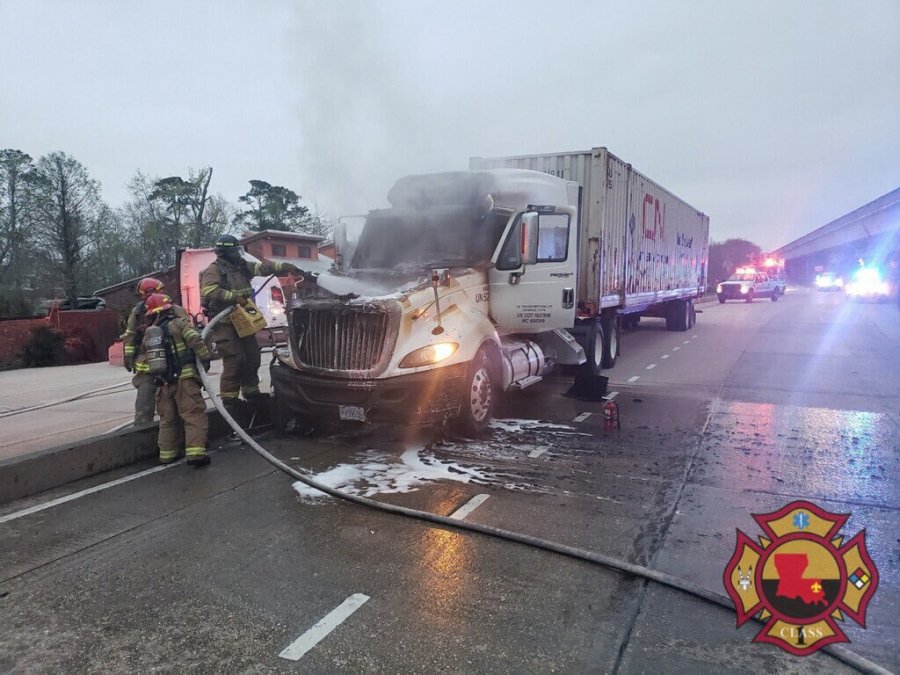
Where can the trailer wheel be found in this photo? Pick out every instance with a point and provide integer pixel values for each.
(775, 295)
(692, 314)
(609, 331)
(721, 299)
(677, 312)
(478, 397)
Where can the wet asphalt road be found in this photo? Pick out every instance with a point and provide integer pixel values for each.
(222, 569)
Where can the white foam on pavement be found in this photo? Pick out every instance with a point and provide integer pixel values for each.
(378, 473)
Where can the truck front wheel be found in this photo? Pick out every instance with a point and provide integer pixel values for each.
(478, 396)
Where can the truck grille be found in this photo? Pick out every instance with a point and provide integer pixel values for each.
(339, 337)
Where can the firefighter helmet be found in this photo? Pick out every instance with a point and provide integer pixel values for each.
(226, 242)
(157, 303)
(148, 286)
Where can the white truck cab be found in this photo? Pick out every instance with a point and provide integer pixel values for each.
(456, 293)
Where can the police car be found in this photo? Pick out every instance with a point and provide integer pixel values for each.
(747, 284)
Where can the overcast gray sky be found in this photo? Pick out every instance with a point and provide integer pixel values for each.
(773, 117)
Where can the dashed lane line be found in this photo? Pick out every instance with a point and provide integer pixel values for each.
(471, 505)
(611, 395)
(537, 452)
(312, 637)
(581, 417)
(634, 378)
(675, 349)
(650, 367)
(686, 342)
(664, 356)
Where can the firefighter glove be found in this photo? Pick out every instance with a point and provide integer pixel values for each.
(206, 363)
(129, 363)
(241, 300)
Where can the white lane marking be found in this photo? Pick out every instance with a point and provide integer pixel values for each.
(664, 356)
(611, 395)
(334, 618)
(472, 504)
(537, 452)
(76, 495)
(581, 417)
(651, 366)
(634, 378)
(675, 349)
(686, 342)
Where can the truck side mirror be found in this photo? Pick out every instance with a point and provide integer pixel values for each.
(529, 229)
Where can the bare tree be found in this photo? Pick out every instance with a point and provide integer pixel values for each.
(165, 214)
(67, 204)
(16, 170)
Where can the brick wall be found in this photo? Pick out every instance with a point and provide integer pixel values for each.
(101, 326)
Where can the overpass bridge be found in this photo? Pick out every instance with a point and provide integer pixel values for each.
(870, 233)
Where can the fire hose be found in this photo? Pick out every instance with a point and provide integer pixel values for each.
(840, 653)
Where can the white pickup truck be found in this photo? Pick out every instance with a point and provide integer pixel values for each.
(748, 284)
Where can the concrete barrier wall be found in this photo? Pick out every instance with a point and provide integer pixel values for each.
(47, 469)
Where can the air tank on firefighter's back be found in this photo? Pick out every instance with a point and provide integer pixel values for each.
(154, 339)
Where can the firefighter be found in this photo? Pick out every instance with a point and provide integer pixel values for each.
(224, 283)
(171, 343)
(135, 358)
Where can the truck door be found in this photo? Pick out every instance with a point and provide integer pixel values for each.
(532, 298)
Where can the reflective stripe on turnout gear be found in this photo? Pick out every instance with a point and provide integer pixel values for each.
(195, 452)
(167, 455)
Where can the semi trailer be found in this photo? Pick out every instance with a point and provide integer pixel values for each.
(476, 283)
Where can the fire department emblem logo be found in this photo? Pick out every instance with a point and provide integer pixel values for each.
(802, 578)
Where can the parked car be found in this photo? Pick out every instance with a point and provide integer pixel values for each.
(868, 284)
(68, 304)
(829, 281)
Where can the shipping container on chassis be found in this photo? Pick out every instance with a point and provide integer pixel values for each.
(638, 243)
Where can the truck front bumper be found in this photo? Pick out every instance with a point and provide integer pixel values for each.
(418, 398)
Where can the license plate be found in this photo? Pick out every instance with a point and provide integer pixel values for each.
(352, 412)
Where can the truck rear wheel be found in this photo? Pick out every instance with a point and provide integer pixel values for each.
(749, 296)
(692, 314)
(478, 397)
(775, 295)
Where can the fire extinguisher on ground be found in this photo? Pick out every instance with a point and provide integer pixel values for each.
(611, 416)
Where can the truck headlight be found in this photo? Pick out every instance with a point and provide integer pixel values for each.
(426, 356)
(745, 289)
(719, 288)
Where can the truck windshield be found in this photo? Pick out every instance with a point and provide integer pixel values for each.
(742, 276)
(440, 236)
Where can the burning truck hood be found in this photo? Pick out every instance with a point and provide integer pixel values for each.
(350, 325)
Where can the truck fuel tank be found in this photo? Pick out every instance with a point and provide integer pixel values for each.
(523, 364)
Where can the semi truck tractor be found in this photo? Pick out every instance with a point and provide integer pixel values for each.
(476, 283)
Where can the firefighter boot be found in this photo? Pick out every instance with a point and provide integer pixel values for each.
(197, 457)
